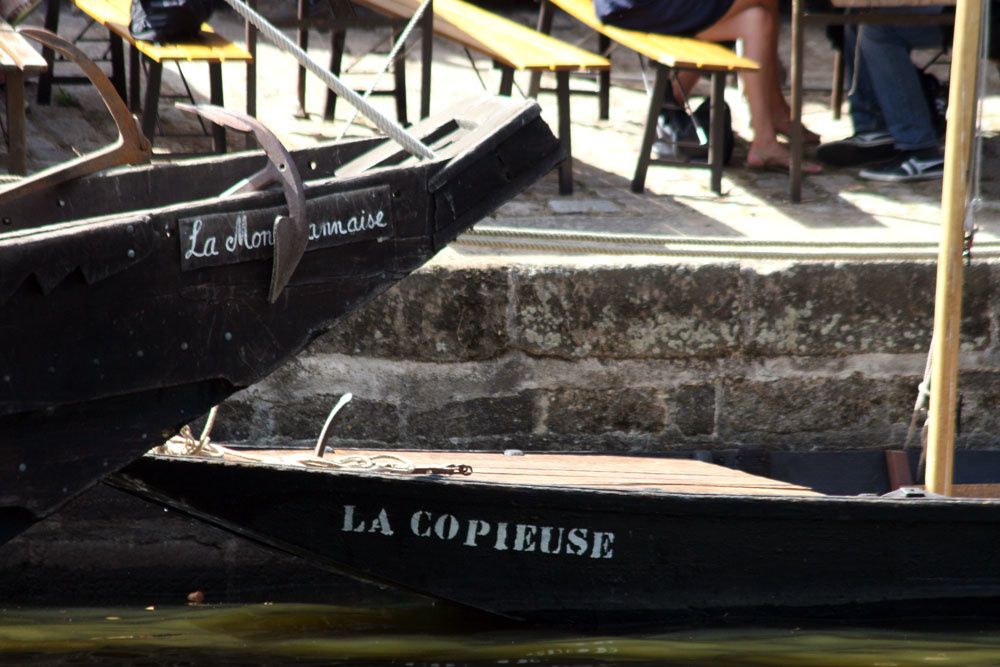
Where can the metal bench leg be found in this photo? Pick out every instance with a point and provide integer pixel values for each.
(17, 143)
(649, 132)
(716, 131)
(250, 36)
(795, 138)
(545, 27)
(506, 80)
(399, 75)
(45, 80)
(216, 96)
(426, 58)
(338, 40)
(303, 41)
(837, 88)
(566, 168)
(152, 101)
(134, 74)
(603, 80)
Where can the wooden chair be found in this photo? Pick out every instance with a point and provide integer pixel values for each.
(17, 59)
(667, 53)
(209, 47)
(511, 46)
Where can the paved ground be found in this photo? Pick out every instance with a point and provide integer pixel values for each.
(837, 205)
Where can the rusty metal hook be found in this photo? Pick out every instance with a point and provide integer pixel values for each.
(132, 147)
(291, 233)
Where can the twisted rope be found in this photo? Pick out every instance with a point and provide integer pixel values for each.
(393, 52)
(543, 240)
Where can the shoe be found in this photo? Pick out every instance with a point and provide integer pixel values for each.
(857, 150)
(907, 168)
(664, 149)
(780, 164)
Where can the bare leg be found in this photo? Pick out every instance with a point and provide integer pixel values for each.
(756, 23)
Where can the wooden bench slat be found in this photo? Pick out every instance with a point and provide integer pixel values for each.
(679, 52)
(506, 41)
(18, 52)
(209, 47)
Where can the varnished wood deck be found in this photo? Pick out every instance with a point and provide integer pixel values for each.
(620, 473)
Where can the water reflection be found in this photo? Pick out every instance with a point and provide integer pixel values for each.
(285, 634)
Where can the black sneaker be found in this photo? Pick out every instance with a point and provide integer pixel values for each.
(857, 150)
(906, 169)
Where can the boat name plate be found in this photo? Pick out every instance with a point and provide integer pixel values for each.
(215, 239)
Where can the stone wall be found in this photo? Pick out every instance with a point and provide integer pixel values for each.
(634, 357)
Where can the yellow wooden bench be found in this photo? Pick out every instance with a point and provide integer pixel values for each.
(17, 58)
(510, 45)
(209, 47)
(668, 53)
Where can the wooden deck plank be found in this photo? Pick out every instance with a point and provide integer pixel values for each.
(575, 470)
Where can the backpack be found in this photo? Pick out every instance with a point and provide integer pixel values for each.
(676, 127)
(168, 20)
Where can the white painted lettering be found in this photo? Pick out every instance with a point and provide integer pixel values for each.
(207, 246)
(524, 537)
(578, 539)
(501, 542)
(545, 543)
(415, 523)
(349, 525)
(380, 524)
(476, 529)
(603, 543)
(446, 527)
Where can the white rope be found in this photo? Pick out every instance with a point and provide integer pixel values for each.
(554, 241)
(393, 52)
(391, 128)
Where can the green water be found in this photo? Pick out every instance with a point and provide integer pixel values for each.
(287, 634)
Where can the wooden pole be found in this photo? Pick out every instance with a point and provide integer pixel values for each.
(954, 196)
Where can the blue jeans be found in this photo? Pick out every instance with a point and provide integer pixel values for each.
(888, 96)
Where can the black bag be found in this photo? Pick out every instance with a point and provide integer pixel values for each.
(168, 20)
(936, 94)
(676, 127)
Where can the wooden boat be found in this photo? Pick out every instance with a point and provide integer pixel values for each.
(132, 302)
(600, 540)
(603, 540)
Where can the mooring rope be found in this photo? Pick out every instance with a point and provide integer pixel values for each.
(558, 241)
(393, 52)
(391, 128)
(185, 444)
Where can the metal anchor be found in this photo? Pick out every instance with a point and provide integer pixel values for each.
(291, 233)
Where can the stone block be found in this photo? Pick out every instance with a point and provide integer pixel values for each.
(596, 411)
(628, 312)
(807, 406)
(827, 309)
(361, 419)
(435, 314)
(474, 417)
(979, 416)
(691, 409)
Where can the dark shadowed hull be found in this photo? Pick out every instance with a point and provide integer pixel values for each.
(132, 303)
(569, 553)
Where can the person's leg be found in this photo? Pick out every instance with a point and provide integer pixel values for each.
(756, 23)
(895, 83)
(864, 110)
(885, 53)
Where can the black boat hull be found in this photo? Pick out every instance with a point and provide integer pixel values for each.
(591, 558)
(122, 327)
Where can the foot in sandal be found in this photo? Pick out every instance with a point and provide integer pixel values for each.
(776, 158)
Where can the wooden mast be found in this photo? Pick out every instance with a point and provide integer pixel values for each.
(948, 298)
